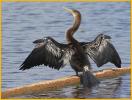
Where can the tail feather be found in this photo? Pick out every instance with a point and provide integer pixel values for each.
(88, 79)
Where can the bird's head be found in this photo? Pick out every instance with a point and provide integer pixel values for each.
(72, 11)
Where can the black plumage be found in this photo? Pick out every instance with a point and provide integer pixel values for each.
(56, 55)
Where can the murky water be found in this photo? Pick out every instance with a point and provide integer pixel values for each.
(23, 23)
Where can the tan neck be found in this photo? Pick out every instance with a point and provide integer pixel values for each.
(73, 28)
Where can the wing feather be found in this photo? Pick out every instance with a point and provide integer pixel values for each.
(101, 51)
(47, 52)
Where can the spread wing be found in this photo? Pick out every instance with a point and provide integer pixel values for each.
(48, 52)
(102, 51)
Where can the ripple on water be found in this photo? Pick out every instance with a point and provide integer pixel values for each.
(23, 23)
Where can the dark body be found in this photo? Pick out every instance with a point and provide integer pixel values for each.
(56, 55)
(79, 58)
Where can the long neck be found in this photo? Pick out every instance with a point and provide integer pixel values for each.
(73, 28)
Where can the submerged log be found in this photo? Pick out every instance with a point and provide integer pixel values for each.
(58, 83)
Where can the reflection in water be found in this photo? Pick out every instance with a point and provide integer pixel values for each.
(20, 28)
(106, 89)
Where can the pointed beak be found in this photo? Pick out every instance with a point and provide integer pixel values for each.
(68, 10)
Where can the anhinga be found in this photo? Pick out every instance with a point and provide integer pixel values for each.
(56, 55)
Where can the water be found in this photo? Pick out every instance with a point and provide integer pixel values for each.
(23, 23)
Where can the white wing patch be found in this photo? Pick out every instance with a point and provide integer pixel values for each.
(67, 56)
(51, 47)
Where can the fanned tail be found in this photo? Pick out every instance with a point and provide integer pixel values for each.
(88, 79)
